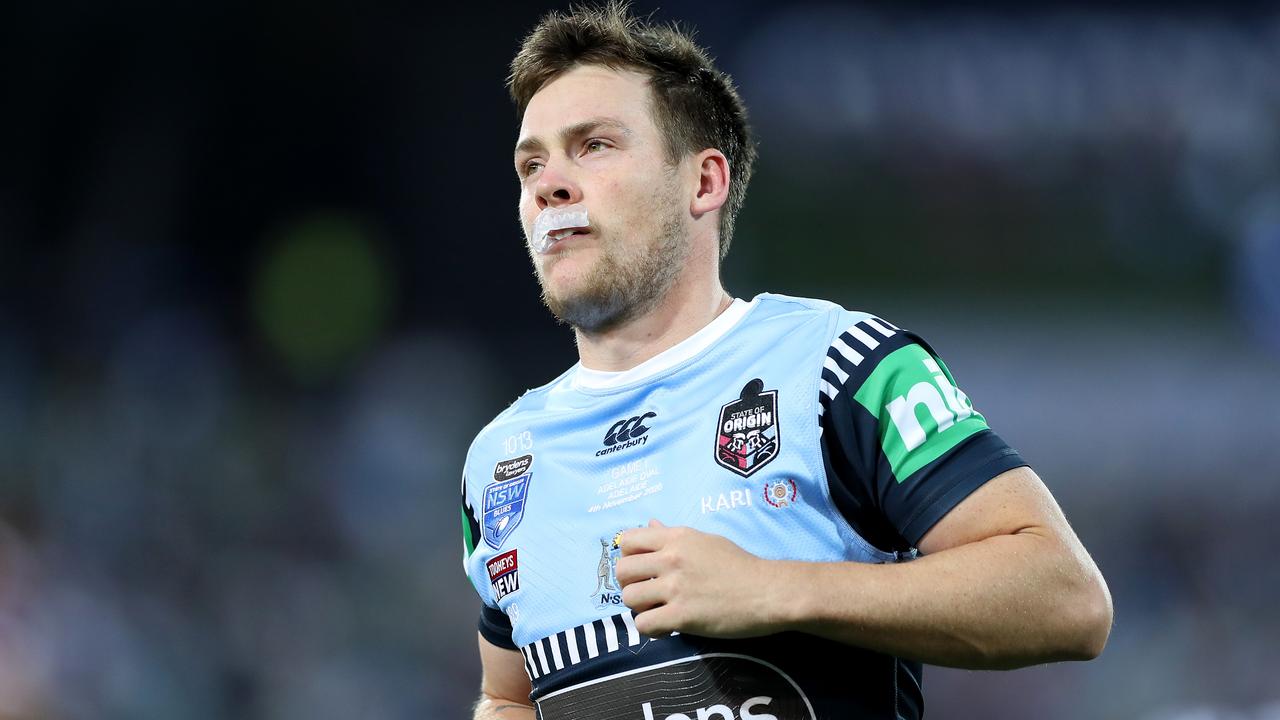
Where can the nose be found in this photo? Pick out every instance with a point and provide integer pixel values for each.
(556, 186)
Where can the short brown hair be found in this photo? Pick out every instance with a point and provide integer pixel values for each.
(695, 106)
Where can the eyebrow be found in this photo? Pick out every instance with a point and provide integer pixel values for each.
(568, 133)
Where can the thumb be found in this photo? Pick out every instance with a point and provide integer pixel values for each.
(656, 523)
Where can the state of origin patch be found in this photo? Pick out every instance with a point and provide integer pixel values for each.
(748, 436)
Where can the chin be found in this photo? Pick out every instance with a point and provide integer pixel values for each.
(583, 304)
(567, 272)
(565, 295)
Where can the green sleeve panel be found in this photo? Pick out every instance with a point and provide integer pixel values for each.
(921, 412)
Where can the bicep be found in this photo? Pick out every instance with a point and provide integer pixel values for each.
(504, 676)
(1013, 502)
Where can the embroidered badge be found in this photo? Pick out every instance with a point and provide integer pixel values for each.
(748, 436)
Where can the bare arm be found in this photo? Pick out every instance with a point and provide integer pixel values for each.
(504, 686)
(1004, 583)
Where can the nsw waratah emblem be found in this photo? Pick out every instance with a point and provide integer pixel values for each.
(748, 436)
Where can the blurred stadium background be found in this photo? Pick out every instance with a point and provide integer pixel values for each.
(261, 280)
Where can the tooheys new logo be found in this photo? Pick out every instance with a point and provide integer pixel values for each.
(749, 436)
(504, 574)
(625, 434)
(714, 686)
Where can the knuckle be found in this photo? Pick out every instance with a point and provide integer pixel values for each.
(674, 560)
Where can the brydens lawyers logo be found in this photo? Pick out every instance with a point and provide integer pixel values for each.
(749, 436)
(515, 467)
(504, 499)
(625, 434)
(504, 574)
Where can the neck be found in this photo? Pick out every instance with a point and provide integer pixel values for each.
(684, 311)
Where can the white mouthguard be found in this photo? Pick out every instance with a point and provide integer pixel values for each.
(551, 220)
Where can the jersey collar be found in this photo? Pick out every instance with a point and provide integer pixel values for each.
(586, 378)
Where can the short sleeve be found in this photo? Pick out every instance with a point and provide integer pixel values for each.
(494, 624)
(902, 443)
(470, 526)
(495, 627)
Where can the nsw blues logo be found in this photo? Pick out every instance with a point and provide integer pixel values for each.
(504, 508)
(748, 436)
(504, 500)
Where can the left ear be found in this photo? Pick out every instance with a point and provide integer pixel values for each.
(713, 182)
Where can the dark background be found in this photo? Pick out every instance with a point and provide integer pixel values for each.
(261, 281)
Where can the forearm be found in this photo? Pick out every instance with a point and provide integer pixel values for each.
(1004, 602)
(491, 708)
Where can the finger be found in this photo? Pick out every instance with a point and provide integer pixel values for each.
(637, 568)
(656, 523)
(642, 540)
(657, 622)
(644, 596)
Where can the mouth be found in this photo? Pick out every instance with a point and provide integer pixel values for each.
(558, 236)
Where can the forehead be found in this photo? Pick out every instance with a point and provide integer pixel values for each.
(587, 91)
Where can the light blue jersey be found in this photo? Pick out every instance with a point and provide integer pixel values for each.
(795, 428)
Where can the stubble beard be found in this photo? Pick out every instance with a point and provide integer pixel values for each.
(622, 286)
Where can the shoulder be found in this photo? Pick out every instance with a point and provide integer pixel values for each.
(792, 308)
(805, 322)
(859, 351)
(502, 434)
(848, 333)
(775, 305)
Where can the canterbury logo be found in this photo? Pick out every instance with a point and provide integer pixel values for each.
(946, 403)
(629, 429)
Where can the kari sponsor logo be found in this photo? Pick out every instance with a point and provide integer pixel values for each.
(504, 574)
(726, 501)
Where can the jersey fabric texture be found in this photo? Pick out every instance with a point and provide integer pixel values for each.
(795, 428)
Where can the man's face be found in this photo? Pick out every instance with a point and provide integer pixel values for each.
(588, 138)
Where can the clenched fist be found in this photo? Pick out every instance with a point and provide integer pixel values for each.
(680, 579)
